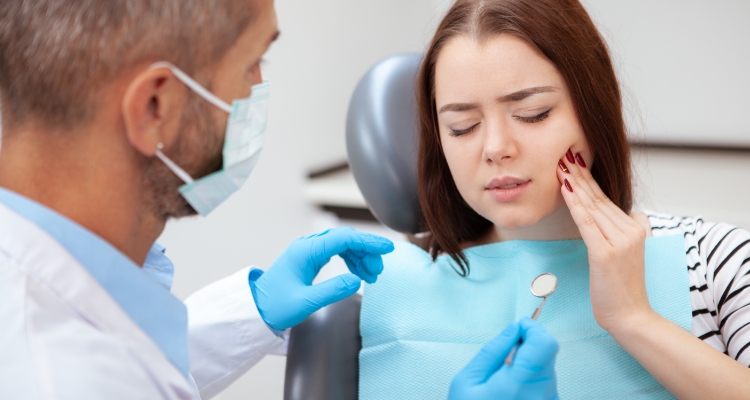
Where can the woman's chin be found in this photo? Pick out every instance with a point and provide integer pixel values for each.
(515, 224)
(553, 223)
(526, 219)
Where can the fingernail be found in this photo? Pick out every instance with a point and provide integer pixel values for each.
(569, 155)
(580, 160)
(567, 186)
(563, 167)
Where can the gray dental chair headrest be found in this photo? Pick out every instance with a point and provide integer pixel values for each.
(382, 140)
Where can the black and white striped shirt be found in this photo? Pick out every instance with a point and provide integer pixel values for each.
(718, 267)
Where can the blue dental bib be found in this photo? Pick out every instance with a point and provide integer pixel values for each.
(421, 322)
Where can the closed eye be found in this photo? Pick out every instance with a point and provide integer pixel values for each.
(535, 118)
(459, 132)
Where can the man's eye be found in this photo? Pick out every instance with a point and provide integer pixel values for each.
(536, 118)
(459, 132)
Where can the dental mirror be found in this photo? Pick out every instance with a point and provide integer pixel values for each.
(542, 286)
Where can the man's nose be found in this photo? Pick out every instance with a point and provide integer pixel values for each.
(257, 75)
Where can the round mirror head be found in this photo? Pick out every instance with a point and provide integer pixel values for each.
(544, 285)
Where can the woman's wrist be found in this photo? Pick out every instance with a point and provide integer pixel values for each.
(622, 310)
(634, 326)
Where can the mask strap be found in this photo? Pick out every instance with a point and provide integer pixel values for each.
(195, 86)
(172, 166)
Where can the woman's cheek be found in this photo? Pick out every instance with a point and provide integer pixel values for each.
(549, 198)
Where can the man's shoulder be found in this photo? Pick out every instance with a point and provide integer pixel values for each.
(49, 350)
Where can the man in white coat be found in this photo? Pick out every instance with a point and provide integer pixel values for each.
(117, 116)
(86, 309)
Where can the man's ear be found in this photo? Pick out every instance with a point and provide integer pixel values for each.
(152, 109)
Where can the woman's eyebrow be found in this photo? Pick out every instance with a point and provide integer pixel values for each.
(516, 96)
(522, 94)
(458, 107)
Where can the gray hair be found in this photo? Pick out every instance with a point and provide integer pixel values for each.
(57, 55)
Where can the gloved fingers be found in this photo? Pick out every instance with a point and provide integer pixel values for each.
(367, 266)
(315, 234)
(357, 267)
(339, 240)
(492, 355)
(351, 261)
(374, 265)
(538, 349)
(332, 290)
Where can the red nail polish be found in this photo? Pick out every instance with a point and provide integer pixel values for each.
(567, 186)
(569, 154)
(563, 167)
(580, 160)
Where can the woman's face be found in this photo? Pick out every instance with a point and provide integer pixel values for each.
(505, 119)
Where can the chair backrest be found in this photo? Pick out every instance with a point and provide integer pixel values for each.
(382, 141)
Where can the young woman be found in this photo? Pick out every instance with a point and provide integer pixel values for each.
(522, 138)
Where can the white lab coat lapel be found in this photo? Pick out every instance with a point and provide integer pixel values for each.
(49, 266)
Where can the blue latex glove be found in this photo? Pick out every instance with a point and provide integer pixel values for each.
(530, 376)
(285, 295)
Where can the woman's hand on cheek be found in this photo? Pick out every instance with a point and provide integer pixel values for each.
(616, 247)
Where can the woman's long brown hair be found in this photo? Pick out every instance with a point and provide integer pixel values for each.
(563, 31)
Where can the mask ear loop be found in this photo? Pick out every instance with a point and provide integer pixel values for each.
(201, 91)
(172, 166)
(195, 86)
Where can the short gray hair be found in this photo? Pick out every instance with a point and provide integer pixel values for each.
(57, 55)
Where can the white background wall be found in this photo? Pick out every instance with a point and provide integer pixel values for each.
(686, 64)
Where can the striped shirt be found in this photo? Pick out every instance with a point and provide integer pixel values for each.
(718, 267)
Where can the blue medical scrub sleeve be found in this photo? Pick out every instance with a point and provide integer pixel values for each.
(421, 322)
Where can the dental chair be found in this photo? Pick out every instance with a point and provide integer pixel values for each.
(381, 141)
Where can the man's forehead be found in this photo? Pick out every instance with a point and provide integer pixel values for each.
(263, 30)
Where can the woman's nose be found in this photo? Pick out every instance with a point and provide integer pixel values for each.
(499, 144)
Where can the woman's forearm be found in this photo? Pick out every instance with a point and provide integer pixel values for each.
(684, 364)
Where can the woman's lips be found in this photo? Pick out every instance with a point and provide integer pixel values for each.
(507, 189)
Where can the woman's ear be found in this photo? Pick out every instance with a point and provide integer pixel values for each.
(152, 109)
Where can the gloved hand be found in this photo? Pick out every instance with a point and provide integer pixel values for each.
(285, 295)
(531, 376)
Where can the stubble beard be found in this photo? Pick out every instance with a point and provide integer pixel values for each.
(198, 150)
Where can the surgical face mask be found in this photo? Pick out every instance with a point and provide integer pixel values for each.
(243, 142)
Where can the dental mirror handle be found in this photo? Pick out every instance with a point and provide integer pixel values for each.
(538, 310)
(509, 359)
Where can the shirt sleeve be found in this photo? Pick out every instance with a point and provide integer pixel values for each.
(226, 335)
(727, 251)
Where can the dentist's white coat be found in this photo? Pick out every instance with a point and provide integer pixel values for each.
(63, 337)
